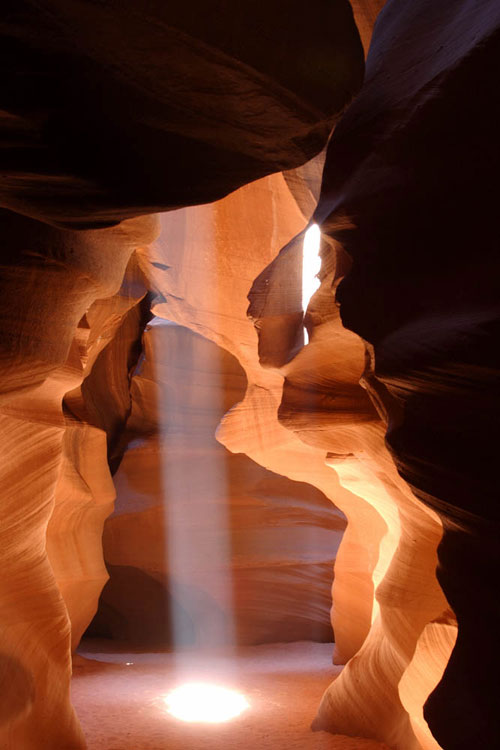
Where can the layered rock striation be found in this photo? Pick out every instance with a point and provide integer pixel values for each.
(108, 112)
(407, 175)
(115, 109)
(56, 485)
(206, 547)
(390, 411)
(253, 425)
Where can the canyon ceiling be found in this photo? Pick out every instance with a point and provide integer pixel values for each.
(160, 165)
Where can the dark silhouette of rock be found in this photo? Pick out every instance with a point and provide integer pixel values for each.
(110, 110)
(413, 166)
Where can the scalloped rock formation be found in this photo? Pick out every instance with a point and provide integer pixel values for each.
(53, 468)
(407, 174)
(90, 135)
(204, 546)
(390, 411)
(326, 411)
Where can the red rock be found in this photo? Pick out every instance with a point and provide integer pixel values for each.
(205, 546)
(389, 412)
(47, 288)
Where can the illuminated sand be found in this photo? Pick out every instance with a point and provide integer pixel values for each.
(205, 702)
(122, 707)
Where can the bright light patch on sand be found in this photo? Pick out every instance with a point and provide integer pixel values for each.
(311, 264)
(204, 702)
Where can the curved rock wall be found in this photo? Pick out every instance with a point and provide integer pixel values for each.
(408, 630)
(250, 223)
(408, 213)
(50, 281)
(328, 412)
(389, 548)
(94, 412)
(206, 546)
(387, 170)
(115, 109)
(107, 112)
(407, 174)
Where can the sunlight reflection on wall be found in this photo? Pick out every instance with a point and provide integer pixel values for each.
(311, 265)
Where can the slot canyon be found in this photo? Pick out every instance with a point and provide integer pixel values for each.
(249, 389)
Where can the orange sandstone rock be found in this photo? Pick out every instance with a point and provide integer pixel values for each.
(50, 280)
(242, 231)
(205, 546)
(400, 169)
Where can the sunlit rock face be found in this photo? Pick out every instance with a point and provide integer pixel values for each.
(390, 410)
(205, 546)
(385, 589)
(325, 405)
(107, 112)
(56, 485)
(407, 192)
(242, 232)
(365, 14)
(95, 415)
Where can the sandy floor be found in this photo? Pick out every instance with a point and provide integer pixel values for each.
(121, 705)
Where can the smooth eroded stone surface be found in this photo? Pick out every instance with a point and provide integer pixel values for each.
(53, 474)
(223, 247)
(410, 191)
(365, 14)
(385, 590)
(94, 412)
(206, 546)
(109, 110)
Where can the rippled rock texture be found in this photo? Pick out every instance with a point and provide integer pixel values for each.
(222, 247)
(390, 411)
(409, 192)
(206, 547)
(107, 112)
(56, 484)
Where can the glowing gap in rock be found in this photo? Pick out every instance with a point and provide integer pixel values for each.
(204, 702)
(311, 264)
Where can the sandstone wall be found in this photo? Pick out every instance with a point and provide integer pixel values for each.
(408, 214)
(324, 414)
(411, 167)
(56, 485)
(205, 546)
(108, 112)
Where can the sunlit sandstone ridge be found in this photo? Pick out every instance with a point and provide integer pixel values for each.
(93, 133)
(328, 411)
(391, 539)
(44, 357)
(391, 673)
(206, 547)
(94, 417)
(397, 195)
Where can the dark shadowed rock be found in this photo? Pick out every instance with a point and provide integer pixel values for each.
(414, 165)
(109, 110)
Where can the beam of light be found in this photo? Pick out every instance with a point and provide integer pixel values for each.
(204, 702)
(311, 264)
(194, 483)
